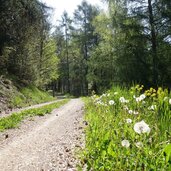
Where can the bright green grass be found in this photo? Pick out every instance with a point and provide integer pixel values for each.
(29, 96)
(108, 127)
(15, 119)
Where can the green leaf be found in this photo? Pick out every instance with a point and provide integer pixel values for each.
(167, 153)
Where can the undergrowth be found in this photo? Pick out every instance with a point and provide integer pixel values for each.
(128, 130)
(13, 120)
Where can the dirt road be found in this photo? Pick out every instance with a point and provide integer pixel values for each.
(7, 113)
(44, 143)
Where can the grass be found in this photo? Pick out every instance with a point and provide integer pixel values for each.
(112, 139)
(29, 96)
(15, 119)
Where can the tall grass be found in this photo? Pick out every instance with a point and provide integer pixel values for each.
(128, 130)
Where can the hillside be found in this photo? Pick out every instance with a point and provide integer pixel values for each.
(13, 95)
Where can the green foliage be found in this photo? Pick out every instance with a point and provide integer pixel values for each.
(167, 153)
(76, 39)
(26, 49)
(113, 141)
(29, 96)
(49, 64)
(14, 120)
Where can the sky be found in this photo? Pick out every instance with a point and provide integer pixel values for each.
(68, 5)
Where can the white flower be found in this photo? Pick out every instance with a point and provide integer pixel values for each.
(141, 127)
(123, 100)
(125, 143)
(111, 102)
(140, 98)
(126, 101)
(128, 120)
(130, 111)
(152, 107)
(139, 144)
(169, 101)
(103, 95)
(137, 99)
(135, 112)
(115, 93)
(99, 102)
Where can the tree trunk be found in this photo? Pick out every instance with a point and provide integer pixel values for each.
(154, 43)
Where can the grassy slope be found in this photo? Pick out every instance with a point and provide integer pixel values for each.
(29, 96)
(12, 97)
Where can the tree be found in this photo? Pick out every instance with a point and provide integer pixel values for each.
(23, 35)
(85, 35)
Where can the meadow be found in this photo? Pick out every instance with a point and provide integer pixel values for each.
(128, 130)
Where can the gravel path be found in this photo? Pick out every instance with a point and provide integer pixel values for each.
(45, 143)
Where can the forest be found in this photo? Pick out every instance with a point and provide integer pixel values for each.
(117, 59)
(93, 50)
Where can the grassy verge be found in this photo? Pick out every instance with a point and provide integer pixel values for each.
(128, 130)
(13, 120)
(29, 96)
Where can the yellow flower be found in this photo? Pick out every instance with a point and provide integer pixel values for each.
(153, 95)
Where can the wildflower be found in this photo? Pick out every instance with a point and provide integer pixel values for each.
(169, 101)
(111, 102)
(141, 127)
(135, 112)
(126, 101)
(140, 98)
(125, 143)
(103, 95)
(153, 95)
(123, 100)
(115, 93)
(139, 144)
(130, 111)
(99, 102)
(108, 94)
(153, 107)
(128, 120)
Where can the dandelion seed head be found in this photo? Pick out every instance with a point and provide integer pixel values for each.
(169, 101)
(125, 143)
(139, 144)
(128, 120)
(111, 102)
(130, 111)
(141, 127)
